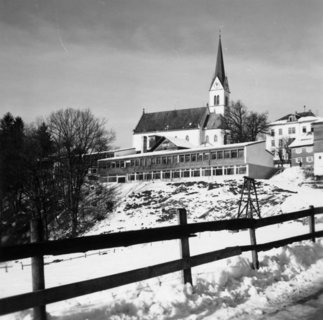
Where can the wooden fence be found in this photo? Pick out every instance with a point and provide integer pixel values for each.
(41, 296)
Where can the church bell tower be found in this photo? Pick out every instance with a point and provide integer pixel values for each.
(219, 92)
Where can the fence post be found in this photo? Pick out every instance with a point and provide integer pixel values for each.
(187, 273)
(312, 223)
(253, 242)
(37, 267)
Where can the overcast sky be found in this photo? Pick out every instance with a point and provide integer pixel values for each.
(117, 57)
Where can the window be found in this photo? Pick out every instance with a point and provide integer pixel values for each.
(206, 156)
(272, 143)
(193, 157)
(291, 130)
(229, 170)
(187, 138)
(187, 158)
(298, 150)
(220, 154)
(309, 149)
(169, 159)
(164, 160)
(234, 154)
(186, 173)
(241, 170)
(215, 138)
(309, 159)
(218, 171)
(196, 172)
(227, 154)
(304, 129)
(213, 155)
(175, 174)
(158, 160)
(175, 159)
(280, 131)
(240, 153)
(200, 157)
(218, 100)
(206, 172)
(272, 132)
(156, 175)
(166, 174)
(181, 158)
(207, 139)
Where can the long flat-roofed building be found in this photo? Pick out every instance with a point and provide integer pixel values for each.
(240, 159)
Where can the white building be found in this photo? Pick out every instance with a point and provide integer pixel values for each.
(192, 127)
(294, 126)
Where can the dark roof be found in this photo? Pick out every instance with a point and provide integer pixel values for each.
(213, 121)
(298, 115)
(219, 69)
(171, 120)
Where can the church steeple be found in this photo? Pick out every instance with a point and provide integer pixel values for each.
(219, 92)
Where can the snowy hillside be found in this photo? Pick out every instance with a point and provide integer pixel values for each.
(288, 285)
(148, 204)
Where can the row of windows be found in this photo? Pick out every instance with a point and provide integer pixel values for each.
(291, 130)
(182, 158)
(207, 138)
(305, 149)
(184, 173)
(300, 159)
(216, 100)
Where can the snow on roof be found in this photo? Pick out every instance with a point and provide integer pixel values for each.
(307, 141)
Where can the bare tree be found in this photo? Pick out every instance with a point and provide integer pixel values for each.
(244, 125)
(284, 151)
(76, 133)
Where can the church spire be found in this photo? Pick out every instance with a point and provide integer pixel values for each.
(219, 68)
(219, 92)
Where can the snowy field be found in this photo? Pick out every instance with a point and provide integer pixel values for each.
(288, 284)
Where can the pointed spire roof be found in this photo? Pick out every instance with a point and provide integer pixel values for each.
(219, 68)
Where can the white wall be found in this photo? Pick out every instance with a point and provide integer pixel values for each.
(257, 154)
(217, 89)
(219, 133)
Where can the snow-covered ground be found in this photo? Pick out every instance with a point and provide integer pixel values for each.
(288, 284)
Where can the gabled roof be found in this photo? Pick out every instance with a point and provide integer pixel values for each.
(219, 69)
(298, 115)
(171, 120)
(213, 121)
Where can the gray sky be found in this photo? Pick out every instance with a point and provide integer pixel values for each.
(117, 57)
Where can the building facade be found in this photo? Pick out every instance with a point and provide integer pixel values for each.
(282, 132)
(249, 158)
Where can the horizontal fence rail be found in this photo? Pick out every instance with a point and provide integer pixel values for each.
(128, 238)
(184, 231)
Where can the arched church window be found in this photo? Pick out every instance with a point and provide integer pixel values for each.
(187, 138)
(207, 139)
(217, 100)
(215, 138)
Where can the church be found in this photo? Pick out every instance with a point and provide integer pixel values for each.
(188, 143)
(187, 128)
